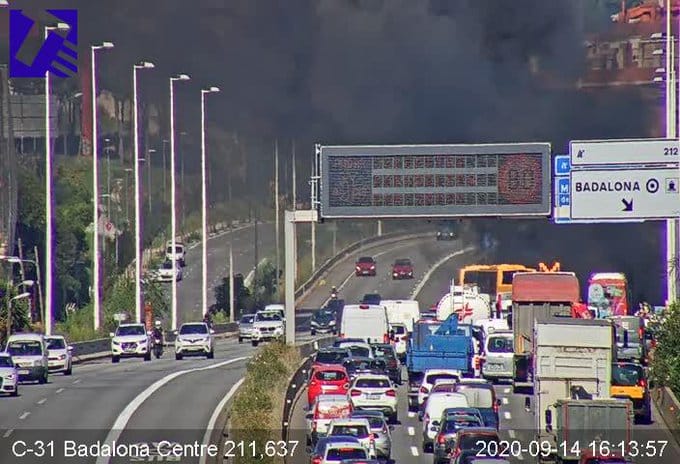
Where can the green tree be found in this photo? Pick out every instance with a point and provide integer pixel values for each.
(666, 362)
(20, 317)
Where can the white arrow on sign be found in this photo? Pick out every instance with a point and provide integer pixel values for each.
(625, 194)
(627, 151)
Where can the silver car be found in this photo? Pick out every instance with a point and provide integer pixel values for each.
(499, 356)
(380, 429)
(245, 327)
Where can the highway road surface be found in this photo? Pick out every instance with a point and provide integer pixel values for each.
(515, 421)
(146, 402)
(189, 298)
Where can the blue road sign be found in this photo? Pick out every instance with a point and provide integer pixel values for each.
(563, 198)
(562, 165)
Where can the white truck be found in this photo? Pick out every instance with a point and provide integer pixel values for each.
(572, 360)
(368, 322)
(467, 302)
(402, 312)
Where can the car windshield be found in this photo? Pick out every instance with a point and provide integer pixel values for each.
(359, 431)
(193, 329)
(455, 424)
(6, 361)
(25, 348)
(247, 319)
(55, 343)
(130, 330)
(476, 441)
(365, 259)
(633, 336)
(323, 316)
(432, 378)
(444, 387)
(330, 357)
(372, 383)
(178, 249)
(330, 376)
(167, 265)
(268, 317)
(340, 454)
(374, 422)
(383, 351)
(359, 351)
(402, 262)
(477, 397)
(399, 329)
(627, 375)
(500, 344)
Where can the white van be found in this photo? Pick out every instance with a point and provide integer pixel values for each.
(402, 312)
(365, 321)
(436, 404)
(29, 353)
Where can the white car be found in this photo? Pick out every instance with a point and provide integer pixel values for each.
(166, 271)
(59, 358)
(130, 341)
(277, 307)
(9, 377)
(194, 339)
(29, 354)
(356, 427)
(429, 379)
(268, 325)
(374, 392)
(335, 452)
(357, 348)
(178, 254)
(245, 327)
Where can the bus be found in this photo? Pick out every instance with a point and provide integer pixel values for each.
(492, 279)
(609, 294)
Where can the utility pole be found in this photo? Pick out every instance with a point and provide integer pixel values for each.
(276, 206)
(380, 228)
(232, 297)
(671, 224)
(313, 222)
(294, 208)
(41, 309)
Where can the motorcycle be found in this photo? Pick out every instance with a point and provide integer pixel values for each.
(157, 347)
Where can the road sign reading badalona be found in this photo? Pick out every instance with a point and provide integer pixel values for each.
(435, 180)
(625, 194)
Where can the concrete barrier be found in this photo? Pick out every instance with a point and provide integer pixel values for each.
(669, 408)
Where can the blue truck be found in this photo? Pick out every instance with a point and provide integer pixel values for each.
(438, 345)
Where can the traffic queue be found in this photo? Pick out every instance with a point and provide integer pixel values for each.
(569, 359)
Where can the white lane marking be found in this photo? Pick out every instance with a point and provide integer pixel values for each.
(504, 400)
(414, 451)
(411, 431)
(506, 390)
(77, 381)
(8, 433)
(520, 457)
(24, 415)
(434, 267)
(215, 416)
(59, 390)
(42, 401)
(125, 416)
(512, 433)
(411, 414)
(507, 415)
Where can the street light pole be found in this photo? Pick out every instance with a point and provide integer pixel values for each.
(173, 195)
(49, 223)
(165, 181)
(138, 215)
(95, 186)
(204, 202)
(148, 175)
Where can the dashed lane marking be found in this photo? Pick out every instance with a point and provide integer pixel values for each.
(414, 451)
(42, 401)
(411, 431)
(24, 415)
(77, 381)
(8, 433)
(411, 414)
(505, 400)
(512, 433)
(59, 390)
(507, 415)
(506, 390)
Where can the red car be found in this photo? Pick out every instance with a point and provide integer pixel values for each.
(365, 266)
(402, 269)
(327, 380)
(587, 457)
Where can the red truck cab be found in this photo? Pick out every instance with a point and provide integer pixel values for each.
(608, 294)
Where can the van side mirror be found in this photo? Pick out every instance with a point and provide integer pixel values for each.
(212, 331)
(175, 332)
(69, 348)
(111, 334)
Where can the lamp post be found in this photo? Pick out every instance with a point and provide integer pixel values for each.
(165, 181)
(150, 151)
(95, 185)
(173, 193)
(49, 224)
(204, 202)
(9, 310)
(138, 215)
(17, 260)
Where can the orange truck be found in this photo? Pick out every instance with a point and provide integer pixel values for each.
(608, 294)
(537, 296)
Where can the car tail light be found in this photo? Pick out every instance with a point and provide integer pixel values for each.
(641, 333)
(391, 393)
(314, 426)
(386, 338)
(495, 407)
(355, 393)
(312, 383)
(423, 390)
(441, 439)
(363, 306)
(316, 460)
(642, 383)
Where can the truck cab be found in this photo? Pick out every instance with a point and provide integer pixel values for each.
(608, 294)
(629, 381)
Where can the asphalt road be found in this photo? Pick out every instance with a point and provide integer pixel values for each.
(516, 422)
(189, 297)
(142, 402)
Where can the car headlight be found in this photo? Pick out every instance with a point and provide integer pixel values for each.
(62, 357)
(255, 330)
(331, 323)
(11, 376)
(314, 323)
(37, 363)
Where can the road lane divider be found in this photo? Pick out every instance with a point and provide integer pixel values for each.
(124, 417)
(421, 284)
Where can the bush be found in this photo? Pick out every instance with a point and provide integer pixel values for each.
(665, 369)
(257, 410)
(20, 317)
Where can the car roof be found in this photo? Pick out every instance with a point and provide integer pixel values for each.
(367, 413)
(193, 323)
(54, 337)
(333, 349)
(323, 398)
(473, 381)
(346, 443)
(350, 421)
(436, 395)
(443, 371)
(329, 367)
(130, 324)
(462, 409)
(371, 376)
(482, 430)
(26, 336)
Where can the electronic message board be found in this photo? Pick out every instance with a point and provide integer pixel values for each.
(435, 180)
